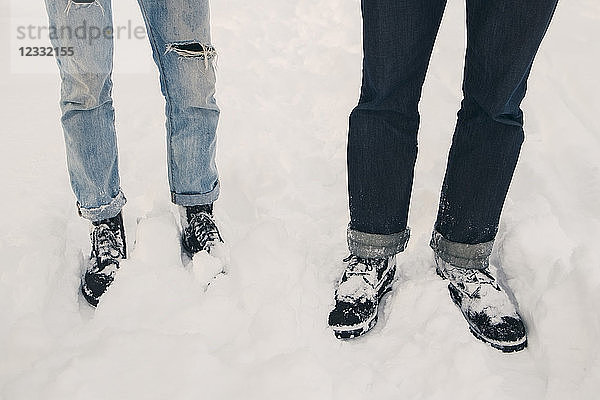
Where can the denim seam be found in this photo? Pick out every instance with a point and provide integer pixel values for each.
(373, 245)
(152, 38)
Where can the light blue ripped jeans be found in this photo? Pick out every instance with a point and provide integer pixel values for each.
(179, 33)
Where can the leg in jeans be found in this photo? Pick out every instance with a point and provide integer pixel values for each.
(179, 33)
(398, 37)
(86, 104)
(503, 38)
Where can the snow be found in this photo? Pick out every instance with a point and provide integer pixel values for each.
(355, 289)
(289, 73)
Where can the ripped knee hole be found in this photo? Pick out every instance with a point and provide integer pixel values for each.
(192, 50)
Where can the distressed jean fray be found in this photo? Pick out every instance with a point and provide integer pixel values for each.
(398, 37)
(180, 38)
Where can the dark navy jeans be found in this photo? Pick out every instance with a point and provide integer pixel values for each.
(503, 37)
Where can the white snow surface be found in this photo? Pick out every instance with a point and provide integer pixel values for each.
(289, 74)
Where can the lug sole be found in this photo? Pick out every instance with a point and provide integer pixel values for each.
(503, 348)
(353, 333)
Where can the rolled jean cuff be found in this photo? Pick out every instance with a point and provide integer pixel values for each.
(105, 211)
(373, 245)
(196, 199)
(461, 255)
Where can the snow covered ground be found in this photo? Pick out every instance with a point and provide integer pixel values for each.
(289, 74)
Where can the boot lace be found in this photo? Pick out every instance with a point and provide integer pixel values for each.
(358, 266)
(204, 229)
(366, 268)
(106, 246)
(360, 278)
(472, 280)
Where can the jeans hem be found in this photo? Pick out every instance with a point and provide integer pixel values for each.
(373, 245)
(196, 199)
(461, 255)
(104, 211)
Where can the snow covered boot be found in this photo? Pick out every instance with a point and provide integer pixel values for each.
(108, 249)
(200, 231)
(491, 315)
(362, 286)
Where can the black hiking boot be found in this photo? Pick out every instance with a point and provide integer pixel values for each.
(108, 249)
(491, 315)
(200, 231)
(362, 286)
